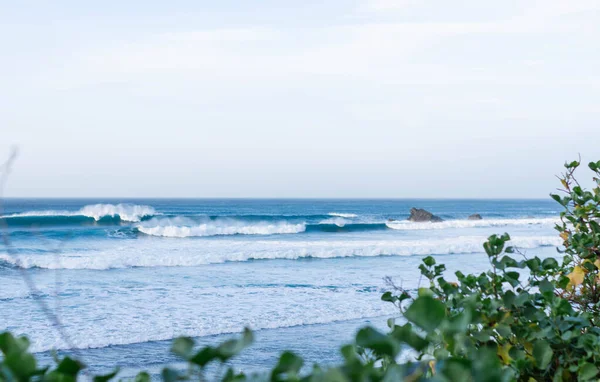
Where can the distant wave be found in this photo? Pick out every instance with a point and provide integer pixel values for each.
(186, 227)
(343, 226)
(338, 221)
(342, 215)
(408, 225)
(146, 220)
(125, 212)
(212, 252)
(182, 227)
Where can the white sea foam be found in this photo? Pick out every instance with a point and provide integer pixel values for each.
(145, 316)
(185, 227)
(139, 305)
(200, 252)
(338, 221)
(126, 212)
(40, 213)
(342, 215)
(408, 225)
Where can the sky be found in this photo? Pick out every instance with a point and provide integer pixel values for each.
(365, 98)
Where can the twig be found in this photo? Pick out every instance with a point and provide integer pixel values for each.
(4, 232)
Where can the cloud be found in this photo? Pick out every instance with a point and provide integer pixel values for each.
(390, 78)
(385, 5)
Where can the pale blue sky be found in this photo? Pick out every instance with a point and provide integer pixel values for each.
(366, 98)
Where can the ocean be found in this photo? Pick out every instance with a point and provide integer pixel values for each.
(125, 276)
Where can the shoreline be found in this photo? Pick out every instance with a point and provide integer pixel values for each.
(314, 342)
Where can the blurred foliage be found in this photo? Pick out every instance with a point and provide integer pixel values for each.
(525, 319)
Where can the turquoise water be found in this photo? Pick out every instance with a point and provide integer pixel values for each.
(126, 276)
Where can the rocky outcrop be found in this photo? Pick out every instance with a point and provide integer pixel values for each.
(475, 217)
(419, 215)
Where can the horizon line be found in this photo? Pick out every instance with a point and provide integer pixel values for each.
(274, 198)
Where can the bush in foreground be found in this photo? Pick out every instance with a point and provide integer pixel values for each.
(526, 319)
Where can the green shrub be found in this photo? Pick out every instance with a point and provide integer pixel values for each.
(526, 319)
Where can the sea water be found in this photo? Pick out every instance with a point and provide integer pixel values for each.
(126, 276)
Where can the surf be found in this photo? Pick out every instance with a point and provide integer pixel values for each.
(107, 213)
(207, 251)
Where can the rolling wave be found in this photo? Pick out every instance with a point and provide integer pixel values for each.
(186, 227)
(144, 219)
(97, 212)
(408, 225)
(342, 215)
(181, 227)
(338, 221)
(329, 226)
(213, 252)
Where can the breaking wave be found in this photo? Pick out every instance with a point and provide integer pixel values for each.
(342, 215)
(182, 227)
(124, 212)
(338, 221)
(408, 225)
(186, 227)
(212, 252)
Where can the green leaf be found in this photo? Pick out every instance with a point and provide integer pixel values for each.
(393, 373)
(380, 343)
(426, 312)
(288, 363)
(573, 164)
(546, 287)
(69, 367)
(533, 264)
(231, 348)
(587, 371)
(349, 352)
(387, 296)
(334, 375)
(549, 263)
(142, 377)
(22, 365)
(183, 346)
(407, 335)
(204, 356)
(429, 261)
(508, 298)
(169, 375)
(457, 369)
(556, 197)
(460, 322)
(9, 344)
(542, 353)
(106, 377)
(504, 330)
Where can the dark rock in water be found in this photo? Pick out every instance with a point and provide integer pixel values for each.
(475, 217)
(420, 215)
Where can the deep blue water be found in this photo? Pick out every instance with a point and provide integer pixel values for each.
(127, 275)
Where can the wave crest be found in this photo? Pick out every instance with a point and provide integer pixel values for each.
(126, 212)
(408, 225)
(203, 252)
(342, 215)
(338, 221)
(185, 227)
